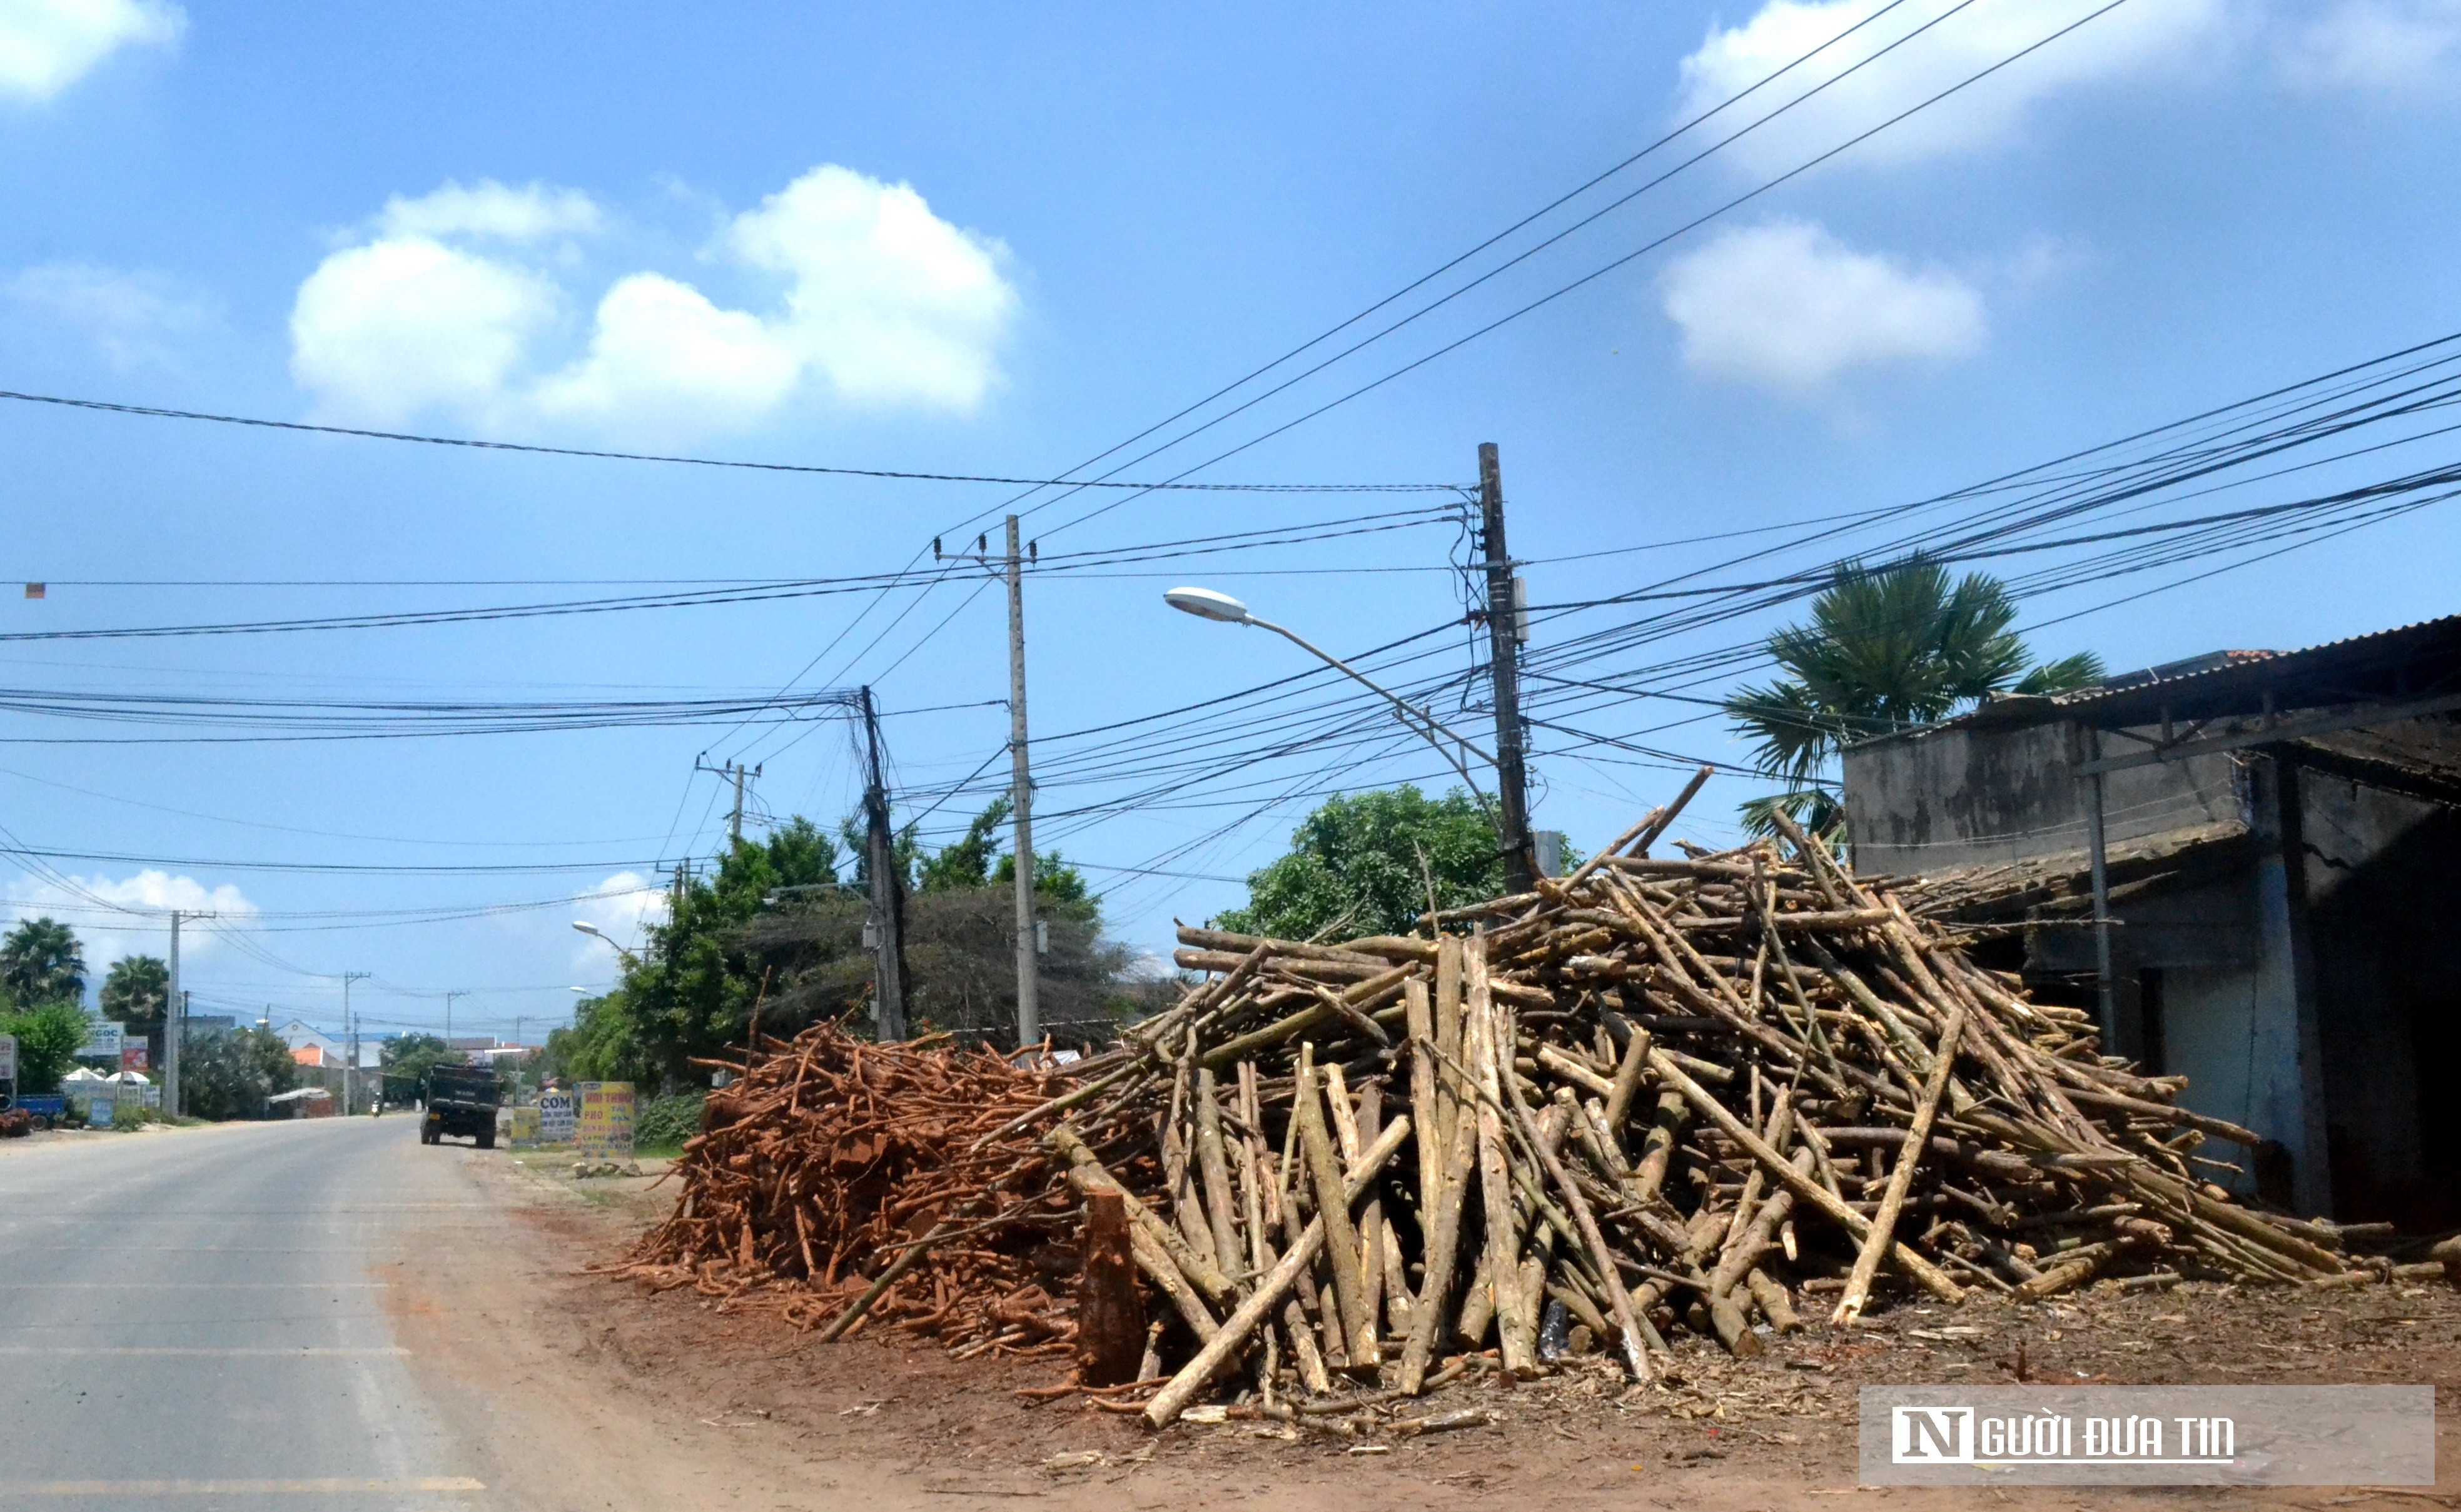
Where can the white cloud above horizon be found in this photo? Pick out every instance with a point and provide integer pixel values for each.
(48, 45)
(107, 935)
(2143, 37)
(2389, 46)
(881, 305)
(1786, 307)
(137, 319)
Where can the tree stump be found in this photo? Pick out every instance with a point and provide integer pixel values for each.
(1110, 1311)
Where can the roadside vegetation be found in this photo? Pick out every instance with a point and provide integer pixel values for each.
(775, 933)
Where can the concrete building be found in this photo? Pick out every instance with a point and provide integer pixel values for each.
(2245, 862)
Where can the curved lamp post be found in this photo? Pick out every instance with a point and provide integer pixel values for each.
(1208, 605)
(596, 933)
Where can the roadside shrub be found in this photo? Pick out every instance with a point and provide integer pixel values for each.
(665, 1123)
(48, 1038)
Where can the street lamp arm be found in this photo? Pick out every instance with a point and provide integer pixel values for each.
(1417, 720)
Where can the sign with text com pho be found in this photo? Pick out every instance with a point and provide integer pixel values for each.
(2149, 1436)
(605, 1126)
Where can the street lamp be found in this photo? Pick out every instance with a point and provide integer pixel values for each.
(596, 933)
(1208, 605)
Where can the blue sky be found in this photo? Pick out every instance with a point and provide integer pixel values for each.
(977, 239)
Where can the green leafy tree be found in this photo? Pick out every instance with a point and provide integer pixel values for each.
(1884, 651)
(231, 1072)
(48, 1038)
(135, 991)
(1367, 863)
(41, 962)
(800, 958)
(968, 861)
(408, 1059)
(688, 996)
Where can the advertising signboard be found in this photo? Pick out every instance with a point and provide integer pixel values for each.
(555, 1117)
(102, 1037)
(100, 1106)
(8, 1058)
(132, 1055)
(522, 1127)
(602, 1130)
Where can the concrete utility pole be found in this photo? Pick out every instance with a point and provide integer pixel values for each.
(1504, 642)
(888, 887)
(735, 771)
(350, 1038)
(448, 1011)
(1029, 1009)
(175, 1016)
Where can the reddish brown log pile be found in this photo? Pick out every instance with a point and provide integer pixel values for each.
(829, 1155)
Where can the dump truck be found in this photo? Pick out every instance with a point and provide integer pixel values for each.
(460, 1102)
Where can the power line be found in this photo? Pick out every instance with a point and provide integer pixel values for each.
(1068, 487)
(261, 423)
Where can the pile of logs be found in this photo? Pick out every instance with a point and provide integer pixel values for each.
(1657, 1095)
(826, 1157)
(1707, 1093)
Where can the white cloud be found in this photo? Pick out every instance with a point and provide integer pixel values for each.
(624, 907)
(2138, 37)
(136, 318)
(48, 45)
(488, 208)
(892, 303)
(660, 348)
(1788, 307)
(2381, 46)
(385, 331)
(879, 304)
(73, 903)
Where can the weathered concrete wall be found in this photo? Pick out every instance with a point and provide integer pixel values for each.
(1952, 797)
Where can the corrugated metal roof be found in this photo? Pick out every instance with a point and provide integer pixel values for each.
(2241, 660)
(2187, 694)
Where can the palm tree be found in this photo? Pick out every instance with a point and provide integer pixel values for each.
(41, 962)
(1884, 651)
(135, 991)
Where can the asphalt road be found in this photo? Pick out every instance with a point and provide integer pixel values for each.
(197, 1319)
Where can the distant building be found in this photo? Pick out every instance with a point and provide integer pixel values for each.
(311, 1045)
(2277, 836)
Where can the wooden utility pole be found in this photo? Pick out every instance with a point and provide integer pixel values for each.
(1504, 643)
(888, 888)
(1029, 1012)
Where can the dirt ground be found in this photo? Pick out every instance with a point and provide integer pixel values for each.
(659, 1400)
